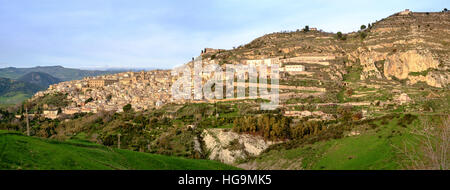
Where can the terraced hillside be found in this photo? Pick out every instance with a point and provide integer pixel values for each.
(410, 46)
(407, 52)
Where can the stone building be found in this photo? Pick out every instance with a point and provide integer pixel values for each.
(52, 114)
(405, 12)
(95, 83)
(211, 50)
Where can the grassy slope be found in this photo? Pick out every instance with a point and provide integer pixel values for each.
(373, 149)
(22, 152)
(14, 98)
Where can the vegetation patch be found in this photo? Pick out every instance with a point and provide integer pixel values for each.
(22, 152)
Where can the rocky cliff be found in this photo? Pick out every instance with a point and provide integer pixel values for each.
(411, 46)
(228, 147)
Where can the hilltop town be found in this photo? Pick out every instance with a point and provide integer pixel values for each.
(401, 48)
(142, 90)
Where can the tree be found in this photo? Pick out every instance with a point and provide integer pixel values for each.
(363, 27)
(349, 92)
(89, 100)
(357, 116)
(339, 35)
(306, 29)
(429, 147)
(127, 108)
(345, 113)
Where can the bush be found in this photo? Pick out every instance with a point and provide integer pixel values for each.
(357, 116)
(362, 35)
(127, 108)
(341, 36)
(88, 100)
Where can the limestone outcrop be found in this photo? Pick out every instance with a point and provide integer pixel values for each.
(368, 60)
(413, 65)
(228, 147)
(432, 79)
(401, 64)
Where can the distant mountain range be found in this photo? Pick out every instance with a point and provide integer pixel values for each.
(65, 74)
(40, 79)
(15, 91)
(7, 86)
(18, 84)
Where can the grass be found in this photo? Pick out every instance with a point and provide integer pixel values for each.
(14, 99)
(361, 152)
(353, 74)
(21, 152)
(227, 126)
(373, 149)
(421, 73)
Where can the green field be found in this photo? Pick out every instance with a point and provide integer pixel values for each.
(373, 149)
(21, 152)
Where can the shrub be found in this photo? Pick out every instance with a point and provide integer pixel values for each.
(339, 35)
(362, 35)
(88, 100)
(127, 108)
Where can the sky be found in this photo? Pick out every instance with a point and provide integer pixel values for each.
(105, 34)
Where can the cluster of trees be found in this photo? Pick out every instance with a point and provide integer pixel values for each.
(271, 127)
(362, 34)
(304, 129)
(277, 127)
(346, 114)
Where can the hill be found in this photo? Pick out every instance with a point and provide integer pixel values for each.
(370, 146)
(13, 91)
(412, 47)
(22, 152)
(27, 81)
(65, 74)
(40, 79)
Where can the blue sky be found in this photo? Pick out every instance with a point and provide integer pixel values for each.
(102, 34)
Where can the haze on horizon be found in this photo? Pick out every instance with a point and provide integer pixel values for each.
(101, 34)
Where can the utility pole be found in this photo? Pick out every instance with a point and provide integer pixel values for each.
(28, 123)
(118, 141)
